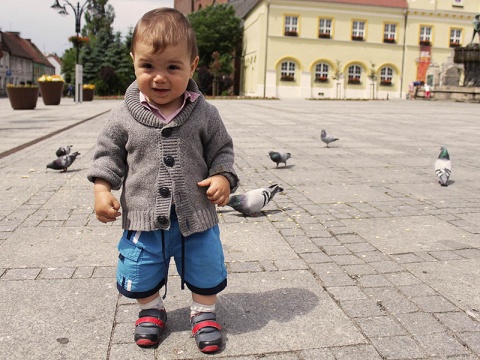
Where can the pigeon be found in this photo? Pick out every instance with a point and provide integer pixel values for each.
(63, 162)
(63, 150)
(443, 166)
(327, 139)
(253, 201)
(279, 157)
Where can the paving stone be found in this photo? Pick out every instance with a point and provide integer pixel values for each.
(417, 290)
(359, 352)
(347, 293)
(56, 273)
(398, 347)
(21, 274)
(361, 308)
(434, 304)
(317, 354)
(472, 340)
(331, 274)
(244, 266)
(358, 270)
(420, 323)
(441, 344)
(458, 322)
(380, 326)
(402, 278)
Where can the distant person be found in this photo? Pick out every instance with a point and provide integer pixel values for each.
(169, 151)
(69, 90)
(426, 88)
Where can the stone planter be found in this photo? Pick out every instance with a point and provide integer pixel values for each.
(23, 98)
(88, 94)
(51, 92)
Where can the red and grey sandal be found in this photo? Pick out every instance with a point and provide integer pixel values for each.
(207, 332)
(149, 327)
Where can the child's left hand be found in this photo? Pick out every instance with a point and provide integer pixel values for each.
(218, 191)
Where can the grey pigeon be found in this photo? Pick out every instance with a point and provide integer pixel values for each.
(63, 162)
(253, 201)
(443, 166)
(63, 150)
(279, 157)
(327, 139)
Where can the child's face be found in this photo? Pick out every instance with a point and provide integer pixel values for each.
(163, 77)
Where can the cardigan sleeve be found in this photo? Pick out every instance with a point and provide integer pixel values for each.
(110, 156)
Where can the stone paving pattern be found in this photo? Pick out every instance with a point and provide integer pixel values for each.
(363, 256)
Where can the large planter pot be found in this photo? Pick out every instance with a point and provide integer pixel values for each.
(23, 98)
(88, 94)
(51, 92)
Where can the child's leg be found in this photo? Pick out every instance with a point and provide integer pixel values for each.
(205, 328)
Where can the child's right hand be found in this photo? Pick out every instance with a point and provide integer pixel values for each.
(106, 205)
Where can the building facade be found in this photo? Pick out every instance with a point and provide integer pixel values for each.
(21, 62)
(349, 48)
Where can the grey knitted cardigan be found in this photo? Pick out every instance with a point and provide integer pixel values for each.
(161, 163)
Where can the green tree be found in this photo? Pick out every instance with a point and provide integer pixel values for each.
(218, 30)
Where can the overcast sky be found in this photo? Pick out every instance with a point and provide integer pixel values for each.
(35, 20)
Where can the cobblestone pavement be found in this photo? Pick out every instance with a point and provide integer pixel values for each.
(362, 256)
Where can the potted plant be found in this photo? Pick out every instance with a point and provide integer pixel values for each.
(88, 92)
(324, 35)
(321, 79)
(454, 44)
(357, 38)
(51, 89)
(425, 42)
(354, 81)
(291, 33)
(287, 78)
(389, 40)
(22, 97)
(386, 82)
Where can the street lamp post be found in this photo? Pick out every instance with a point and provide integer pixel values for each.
(78, 11)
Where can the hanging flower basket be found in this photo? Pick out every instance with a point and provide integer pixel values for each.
(23, 97)
(51, 89)
(88, 92)
(81, 40)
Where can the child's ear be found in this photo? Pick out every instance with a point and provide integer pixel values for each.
(132, 56)
(193, 66)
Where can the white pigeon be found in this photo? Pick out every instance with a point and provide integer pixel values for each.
(443, 166)
(279, 157)
(327, 139)
(63, 162)
(63, 150)
(253, 201)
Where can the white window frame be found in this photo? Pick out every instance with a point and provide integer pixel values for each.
(325, 26)
(389, 31)
(287, 68)
(358, 28)
(426, 33)
(386, 74)
(455, 36)
(291, 23)
(354, 72)
(321, 70)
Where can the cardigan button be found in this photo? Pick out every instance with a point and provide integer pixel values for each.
(169, 161)
(164, 192)
(167, 132)
(163, 220)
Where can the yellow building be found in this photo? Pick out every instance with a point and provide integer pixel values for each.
(349, 48)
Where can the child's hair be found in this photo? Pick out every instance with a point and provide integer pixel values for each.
(164, 27)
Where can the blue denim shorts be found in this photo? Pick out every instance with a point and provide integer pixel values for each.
(144, 257)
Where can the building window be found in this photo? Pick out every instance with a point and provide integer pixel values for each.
(455, 37)
(291, 26)
(425, 35)
(358, 30)
(325, 29)
(354, 74)
(386, 76)
(287, 71)
(321, 72)
(389, 33)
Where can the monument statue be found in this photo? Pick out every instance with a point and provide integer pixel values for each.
(476, 26)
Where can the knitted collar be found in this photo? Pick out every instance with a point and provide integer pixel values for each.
(143, 116)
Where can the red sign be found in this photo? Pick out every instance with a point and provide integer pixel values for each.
(423, 62)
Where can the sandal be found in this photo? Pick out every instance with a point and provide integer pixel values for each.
(206, 331)
(149, 327)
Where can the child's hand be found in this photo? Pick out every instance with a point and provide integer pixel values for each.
(218, 190)
(106, 205)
